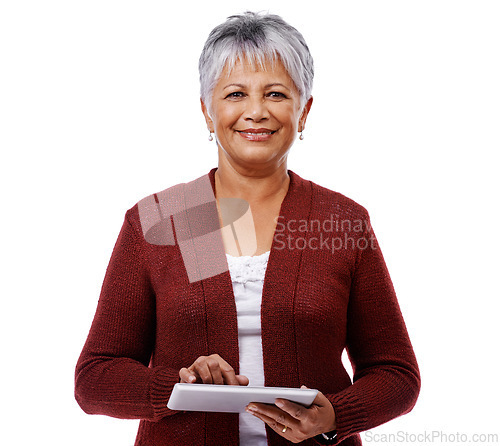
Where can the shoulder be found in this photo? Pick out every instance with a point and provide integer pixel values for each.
(325, 200)
(159, 206)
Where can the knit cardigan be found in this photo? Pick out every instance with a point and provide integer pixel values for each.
(326, 289)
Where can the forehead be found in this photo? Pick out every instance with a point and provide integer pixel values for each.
(247, 71)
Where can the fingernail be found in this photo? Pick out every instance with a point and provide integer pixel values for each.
(251, 408)
(279, 403)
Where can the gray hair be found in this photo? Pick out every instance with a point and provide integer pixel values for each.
(258, 38)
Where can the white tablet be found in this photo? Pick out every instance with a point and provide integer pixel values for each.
(224, 398)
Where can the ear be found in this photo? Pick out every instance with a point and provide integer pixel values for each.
(305, 112)
(208, 119)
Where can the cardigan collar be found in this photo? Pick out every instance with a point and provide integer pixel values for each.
(278, 296)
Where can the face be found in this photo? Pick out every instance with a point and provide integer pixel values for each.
(255, 115)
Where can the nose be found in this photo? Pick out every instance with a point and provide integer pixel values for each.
(256, 109)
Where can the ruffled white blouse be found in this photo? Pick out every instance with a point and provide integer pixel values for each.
(247, 275)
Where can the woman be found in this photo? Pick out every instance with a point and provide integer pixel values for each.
(184, 298)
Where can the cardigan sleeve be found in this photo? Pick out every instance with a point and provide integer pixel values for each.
(386, 380)
(113, 376)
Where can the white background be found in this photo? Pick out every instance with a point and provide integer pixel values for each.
(99, 107)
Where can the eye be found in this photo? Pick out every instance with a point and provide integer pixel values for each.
(235, 95)
(277, 95)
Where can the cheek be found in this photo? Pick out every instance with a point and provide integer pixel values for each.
(226, 117)
(288, 116)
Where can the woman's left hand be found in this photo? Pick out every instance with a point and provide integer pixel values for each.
(295, 422)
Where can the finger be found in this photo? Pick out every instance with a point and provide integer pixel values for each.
(186, 376)
(321, 400)
(296, 411)
(201, 369)
(228, 373)
(277, 424)
(242, 380)
(271, 411)
(214, 367)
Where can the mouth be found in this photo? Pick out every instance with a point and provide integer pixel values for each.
(257, 131)
(256, 134)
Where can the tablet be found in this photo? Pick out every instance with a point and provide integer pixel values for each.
(234, 399)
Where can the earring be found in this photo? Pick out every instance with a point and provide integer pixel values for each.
(301, 137)
(210, 137)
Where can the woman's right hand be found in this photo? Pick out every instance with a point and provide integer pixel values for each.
(211, 370)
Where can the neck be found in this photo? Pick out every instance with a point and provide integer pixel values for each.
(254, 186)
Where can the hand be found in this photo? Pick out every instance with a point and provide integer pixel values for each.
(211, 370)
(301, 422)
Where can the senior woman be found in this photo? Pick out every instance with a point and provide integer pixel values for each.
(249, 274)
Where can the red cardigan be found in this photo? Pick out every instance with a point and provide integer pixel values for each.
(151, 321)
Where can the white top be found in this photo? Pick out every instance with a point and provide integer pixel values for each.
(247, 275)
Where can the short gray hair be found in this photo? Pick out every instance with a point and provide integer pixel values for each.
(258, 38)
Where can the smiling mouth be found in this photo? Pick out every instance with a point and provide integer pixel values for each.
(270, 132)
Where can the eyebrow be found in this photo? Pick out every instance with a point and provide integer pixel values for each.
(266, 86)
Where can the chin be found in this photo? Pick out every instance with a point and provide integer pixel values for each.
(255, 158)
(253, 154)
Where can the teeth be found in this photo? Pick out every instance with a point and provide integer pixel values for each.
(262, 133)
